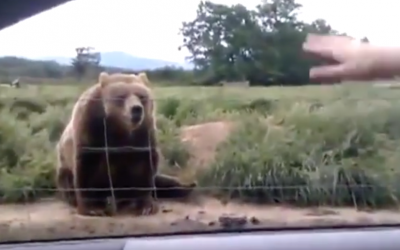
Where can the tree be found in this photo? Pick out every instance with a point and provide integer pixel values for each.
(218, 40)
(261, 45)
(85, 60)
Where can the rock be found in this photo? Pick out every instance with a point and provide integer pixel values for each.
(230, 221)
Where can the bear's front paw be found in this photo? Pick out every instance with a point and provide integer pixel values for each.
(189, 188)
(192, 185)
(147, 206)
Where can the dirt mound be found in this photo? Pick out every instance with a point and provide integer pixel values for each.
(203, 139)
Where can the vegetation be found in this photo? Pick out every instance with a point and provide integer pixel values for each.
(332, 145)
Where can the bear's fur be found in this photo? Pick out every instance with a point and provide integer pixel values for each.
(118, 112)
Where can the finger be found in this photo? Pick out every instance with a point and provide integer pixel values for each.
(325, 40)
(329, 73)
(314, 38)
(318, 51)
(340, 72)
(323, 46)
(318, 45)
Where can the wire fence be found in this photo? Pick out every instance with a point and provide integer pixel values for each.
(320, 186)
(282, 185)
(204, 188)
(113, 187)
(229, 98)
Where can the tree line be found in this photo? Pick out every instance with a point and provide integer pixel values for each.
(38, 72)
(225, 43)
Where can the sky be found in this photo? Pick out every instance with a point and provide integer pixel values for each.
(149, 28)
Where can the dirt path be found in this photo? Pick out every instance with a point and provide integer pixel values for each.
(52, 219)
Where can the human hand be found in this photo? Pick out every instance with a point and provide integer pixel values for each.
(352, 59)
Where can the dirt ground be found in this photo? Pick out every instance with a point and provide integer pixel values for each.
(51, 219)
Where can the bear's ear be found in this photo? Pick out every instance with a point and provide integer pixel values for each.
(132, 78)
(104, 78)
(143, 77)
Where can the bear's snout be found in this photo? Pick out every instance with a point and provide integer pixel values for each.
(136, 113)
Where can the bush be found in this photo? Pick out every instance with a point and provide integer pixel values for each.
(337, 155)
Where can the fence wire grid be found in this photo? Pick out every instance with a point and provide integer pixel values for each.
(330, 188)
(353, 189)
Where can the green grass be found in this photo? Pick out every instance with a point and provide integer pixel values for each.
(323, 145)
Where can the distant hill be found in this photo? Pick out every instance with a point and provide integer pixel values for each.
(123, 60)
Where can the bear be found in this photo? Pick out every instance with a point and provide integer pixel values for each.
(110, 141)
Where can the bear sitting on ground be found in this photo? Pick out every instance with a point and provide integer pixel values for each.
(117, 113)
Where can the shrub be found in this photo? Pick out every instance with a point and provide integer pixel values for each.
(330, 156)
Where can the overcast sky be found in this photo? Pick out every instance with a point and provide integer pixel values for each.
(149, 28)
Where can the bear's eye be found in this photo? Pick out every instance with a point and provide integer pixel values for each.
(142, 98)
(120, 99)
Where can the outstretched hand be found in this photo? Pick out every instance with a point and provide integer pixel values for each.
(352, 59)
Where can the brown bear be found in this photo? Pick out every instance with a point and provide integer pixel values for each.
(110, 141)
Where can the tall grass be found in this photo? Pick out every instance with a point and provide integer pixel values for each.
(302, 146)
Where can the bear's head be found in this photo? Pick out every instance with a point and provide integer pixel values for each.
(127, 99)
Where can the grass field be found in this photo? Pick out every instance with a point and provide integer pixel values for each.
(320, 145)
